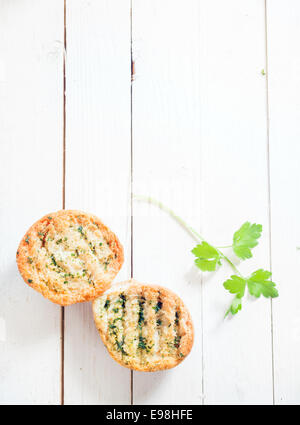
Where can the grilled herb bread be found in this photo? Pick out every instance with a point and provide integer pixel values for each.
(144, 327)
(69, 256)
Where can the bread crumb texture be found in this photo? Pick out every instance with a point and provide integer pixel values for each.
(69, 257)
(144, 327)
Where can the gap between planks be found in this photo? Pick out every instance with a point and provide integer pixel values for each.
(131, 174)
(269, 183)
(62, 395)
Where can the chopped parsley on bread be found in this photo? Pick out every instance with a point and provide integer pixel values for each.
(144, 327)
(69, 256)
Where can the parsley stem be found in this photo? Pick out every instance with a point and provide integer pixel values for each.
(161, 206)
(188, 228)
(229, 262)
(227, 246)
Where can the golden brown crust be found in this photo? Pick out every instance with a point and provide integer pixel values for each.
(144, 327)
(69, 256)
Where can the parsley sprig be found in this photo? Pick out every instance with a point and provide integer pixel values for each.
(209, 257)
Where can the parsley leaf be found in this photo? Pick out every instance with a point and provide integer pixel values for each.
(235, 285)
(207, 257)
(259, 283)
(246, 238)
(235, 306)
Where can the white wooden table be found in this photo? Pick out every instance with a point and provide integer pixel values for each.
(197, 126)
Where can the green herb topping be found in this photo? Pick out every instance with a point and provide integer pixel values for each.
(141, 312)
(122, 300)
(53, 260)
(80, 230)
(158, 306)
(142, 343)
(177, 341)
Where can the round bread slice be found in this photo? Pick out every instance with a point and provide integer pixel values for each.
(144, 327)
(69, 257)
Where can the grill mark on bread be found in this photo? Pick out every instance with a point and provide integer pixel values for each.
(177, 337)
(147, 331)
(167, 334)
(157, 308)
(142, 342)
(156, 331)
(122, 308)
(115, 325)
(131, 330)
(43, 240)
(150, 328)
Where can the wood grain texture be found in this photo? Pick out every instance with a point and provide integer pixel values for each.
(31, 177)
(97, 174)
(166, 165)
(284, 109)
(237, 351)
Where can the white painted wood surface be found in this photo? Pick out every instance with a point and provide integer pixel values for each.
(98, 174)
(237, 352)
(211, 136)
(284, 102)
(166, 164)
(31, 186)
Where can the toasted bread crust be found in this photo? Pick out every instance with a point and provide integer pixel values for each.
(69, 256)
(144, 327)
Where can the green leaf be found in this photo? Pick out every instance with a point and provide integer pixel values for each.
(246, 238)
(235, 306)
(235, 285)
(259, 283)
(207, 257)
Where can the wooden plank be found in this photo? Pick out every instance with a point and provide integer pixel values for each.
(284, 106)
(97, 174)
(205, 123)
(238, 351)
(31, 186)
(166, 165)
